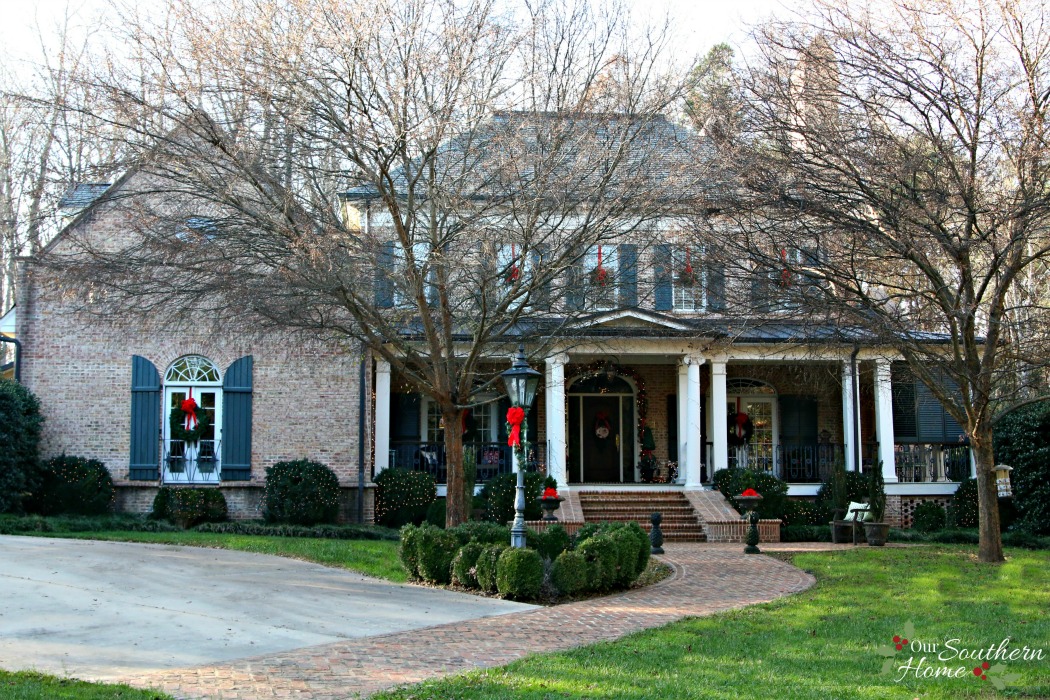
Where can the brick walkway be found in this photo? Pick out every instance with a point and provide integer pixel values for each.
(708, 578)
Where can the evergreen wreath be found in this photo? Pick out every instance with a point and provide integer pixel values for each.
(740, 429)
(177, 422)
(601, 277)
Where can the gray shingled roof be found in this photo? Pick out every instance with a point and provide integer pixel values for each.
(83, 195)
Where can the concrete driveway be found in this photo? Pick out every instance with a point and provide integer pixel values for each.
(102, 610)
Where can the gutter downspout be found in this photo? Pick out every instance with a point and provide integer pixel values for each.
(855, 390)
(361, 444)
(18, 355)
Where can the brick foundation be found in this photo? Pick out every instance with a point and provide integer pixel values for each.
(736, 530)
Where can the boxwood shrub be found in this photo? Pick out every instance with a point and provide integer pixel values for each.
(302, 493)
(569, 573)
(519, 573)
(464, 571)
(602, 553)
(74, 486)
(187, 507)
(403, 496)
(435, 549)
(929, 517)
(437, 513)
(486, 566)
(408, 551)
(482, 531)
(552, 542)
(733, 482)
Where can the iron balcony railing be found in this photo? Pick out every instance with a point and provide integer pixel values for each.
(930, 462)
(493, 458)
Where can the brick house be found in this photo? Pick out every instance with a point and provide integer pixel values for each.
(657, 388)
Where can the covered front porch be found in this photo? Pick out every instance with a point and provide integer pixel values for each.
(662, 412)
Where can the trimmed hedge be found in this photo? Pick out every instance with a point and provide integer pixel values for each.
(733, 482)
(403, 497)
(805, 533)
(486, 566)
(482, 531)
(570, 573)
(804, 513)
(20, 425)
(552, 542)
(408, 552)
(187, 507)
(464, 565)
(14, 525)
(929, 517)
(602, 553)
(326, 532)
(435, 550)
(519, 573)
(75, 486)
(301, 492)
(437, 513)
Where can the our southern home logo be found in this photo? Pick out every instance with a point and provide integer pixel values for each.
(908, 656)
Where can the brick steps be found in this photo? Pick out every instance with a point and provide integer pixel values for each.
(679, 524)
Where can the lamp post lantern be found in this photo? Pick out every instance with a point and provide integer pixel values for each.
(521, 382)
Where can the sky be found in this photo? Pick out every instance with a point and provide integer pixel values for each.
(699, 24)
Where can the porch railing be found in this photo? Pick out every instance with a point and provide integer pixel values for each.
(493, 458)
(932, 461)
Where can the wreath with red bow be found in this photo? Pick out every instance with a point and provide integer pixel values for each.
(602, 429)
(188, 422)
(740, 429)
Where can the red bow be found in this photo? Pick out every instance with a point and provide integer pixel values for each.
(741, 420)
(515, 415)
(189, 407)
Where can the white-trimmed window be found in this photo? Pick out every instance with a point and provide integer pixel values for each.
(688, 278)
(192, 461)
(601, 268)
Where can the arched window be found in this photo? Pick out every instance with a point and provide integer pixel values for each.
(192, 431)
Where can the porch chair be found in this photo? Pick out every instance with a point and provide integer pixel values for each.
(855, 515)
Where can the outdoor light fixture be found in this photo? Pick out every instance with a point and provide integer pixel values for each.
(1002, 480)
(521, 382)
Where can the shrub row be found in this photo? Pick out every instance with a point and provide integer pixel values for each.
(328, 532)
(187, 507)
(13, 525)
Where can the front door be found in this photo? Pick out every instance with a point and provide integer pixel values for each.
(757, 453)
(193, 462)
(602, 439)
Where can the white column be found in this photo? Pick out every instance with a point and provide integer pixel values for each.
(719, 416)
(849, 421)
(884, 419)
(683, 419)
(554, 398)
(382, 437)
(696, 447)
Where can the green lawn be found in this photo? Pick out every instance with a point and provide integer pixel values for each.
(376, 558)
(822, 644)
(28, 685)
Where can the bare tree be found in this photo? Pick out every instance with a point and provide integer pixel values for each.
(907, 143)
(422, 178)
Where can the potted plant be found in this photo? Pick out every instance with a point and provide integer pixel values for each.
(874, 528)
(841, 529)
(550, 501)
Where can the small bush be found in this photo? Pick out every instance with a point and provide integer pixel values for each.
(486, 566)
(644, 546)
(483, 532)
(929, 517)
(74, 486)
(408, 552)
(805, 533)
(804, 513)
(188, 507)
(20, 425)
(552, 542)
(585, 532)
(733, 482)
(302, 493)
(602, 553)
(436, 513)
(403, 496)
(499, 494)
(519, 573)
(962, 512)
(1025, 539)
(464, 565)
(856, 491)
(435, 550)
(627, 559)
(569, 573)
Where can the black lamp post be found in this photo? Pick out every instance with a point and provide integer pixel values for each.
(521, 382)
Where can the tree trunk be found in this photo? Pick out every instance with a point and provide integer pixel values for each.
(457, 506)
(991, 540)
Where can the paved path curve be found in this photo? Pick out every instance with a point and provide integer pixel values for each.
(708, 579)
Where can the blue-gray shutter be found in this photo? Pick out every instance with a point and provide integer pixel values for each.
(384, 280)
(144, 462)
(404, 416)
(663, 295)
(237, 421)
(574, 287)
(716, 287)
(541, 297)
(628, 275)
(798, 420)
(902, 382)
